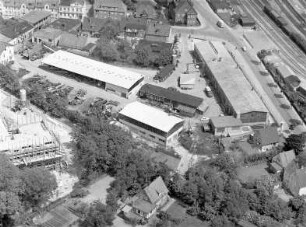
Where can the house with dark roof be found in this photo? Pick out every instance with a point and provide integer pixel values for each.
(114, 9)
(146, 10)
(14, 31)
(6, 53)
(281, 161)
(134, 28)
(153, 197)
(37, 18)
(184, 104)
(71, 41)
(158, 32)
(266, 138)
(66, 25)
(92, 26)
(184, 13)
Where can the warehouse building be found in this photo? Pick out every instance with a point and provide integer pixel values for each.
(236, 95)
(184, 104)
(111, 78)
(151, 123)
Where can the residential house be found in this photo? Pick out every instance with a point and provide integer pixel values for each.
(92, 26)
(6, 53)
(15, 31)
(66, 25)
(37, 18)
(133, 28)
(281, 161)
(72, 9)
(18, 8)
(150, 199)
(71, 41)
(184, 13)
(158, 32)
(114, 9)
(47, 36)
(146, 10)
(228, 126)
(294, 179)
(266, 138)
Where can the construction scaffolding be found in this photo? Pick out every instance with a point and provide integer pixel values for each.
(32, 141)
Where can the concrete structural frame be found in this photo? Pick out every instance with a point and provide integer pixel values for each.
(236, 95)
(151, 123)
(111, 78)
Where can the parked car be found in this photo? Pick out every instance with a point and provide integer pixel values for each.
(208, 91)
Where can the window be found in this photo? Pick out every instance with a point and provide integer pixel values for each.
(152, 136)
(161, 140)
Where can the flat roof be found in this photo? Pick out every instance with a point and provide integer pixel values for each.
(151, 116)
(230, 78)
(92, 69)
(35, 16)
(187, 79)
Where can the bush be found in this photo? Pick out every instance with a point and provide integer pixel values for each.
(79, 193)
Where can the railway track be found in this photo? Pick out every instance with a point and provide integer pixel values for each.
(289, 50)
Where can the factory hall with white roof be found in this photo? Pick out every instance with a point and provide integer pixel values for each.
(111, 78)
(151, 123)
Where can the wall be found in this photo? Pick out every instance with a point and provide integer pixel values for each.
(7, 55)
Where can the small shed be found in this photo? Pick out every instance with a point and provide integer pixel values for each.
(187, 81)
(247, 21)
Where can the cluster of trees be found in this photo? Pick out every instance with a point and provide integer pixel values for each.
(111, 49)
(214, 194)
(22, 190)
(9, 79)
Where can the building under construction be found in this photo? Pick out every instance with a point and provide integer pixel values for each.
(30, 141)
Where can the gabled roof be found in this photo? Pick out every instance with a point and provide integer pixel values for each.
(35, 16)
(133, 23)
(225, 121)
(157, 29)
(155, 189)
(185, 6)
(110, 3)
(284, 159)
(145, 9)
(65, 24)
(48, 33)
(13, 28)
(173, 96)
(68, 40)
(69, 2)
(143, 205)
(93, 24)
(294, 178)
(267, 136)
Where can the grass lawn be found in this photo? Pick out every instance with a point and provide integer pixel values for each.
(177, 211)
(253, 172)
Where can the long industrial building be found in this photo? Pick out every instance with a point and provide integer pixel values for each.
(151, 123)
(111, 78)
(236, 95)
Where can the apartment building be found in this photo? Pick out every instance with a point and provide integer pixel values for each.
(114, 9)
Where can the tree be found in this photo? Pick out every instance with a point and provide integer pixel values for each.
(142, 56)
(98, 215)
(301, 159)
(10, 188)
(38, 185)
(125, 50)
(164, 58)
(110, 30)
(106, 51)
(296, 142)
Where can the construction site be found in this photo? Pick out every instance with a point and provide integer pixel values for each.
(28, 137)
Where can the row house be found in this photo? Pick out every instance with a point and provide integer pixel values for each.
(75, 9)
(114, 9)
